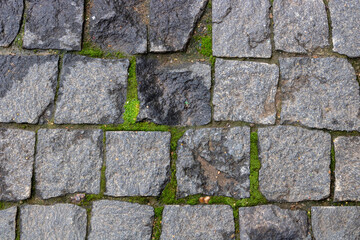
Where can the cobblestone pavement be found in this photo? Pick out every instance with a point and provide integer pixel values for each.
(180, 119)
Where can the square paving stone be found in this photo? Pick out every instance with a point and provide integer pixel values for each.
(112, 220)
(59, 221)
(214, 161)
(345, 23)
(27, 87)
(300, 26)
(91, 90)
(174, 95)
(120, 24)
(17, 148)
(54, 24)
(245, 91)
(295, 163)
(272, 222)
(241, 28)
(10, 20)
(172, 22)
(198, 222)
(8, 223)
(137, 163)
(334, 223)
(347, 168)
(320, 93)
(68, 161)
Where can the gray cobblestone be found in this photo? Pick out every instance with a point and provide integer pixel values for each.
(10, 20)
(8, 223)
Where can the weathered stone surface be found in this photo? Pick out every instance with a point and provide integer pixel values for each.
(68, 161)
(214, 161)
(172, 23)
(198, 222)
(347, 169)
(345, 23)
(294, 163)
(8, 223)
(320, 93)
(333, 223)
(272, 222)
(53, 24)
(245, 91)
(91, 90)
(27, 87)
(59, 221)
(10, 20)
(300, 26)
(119, 25)
(120, 220)
(17, 149)
(241, 28)
(174, 95)
(137, 163)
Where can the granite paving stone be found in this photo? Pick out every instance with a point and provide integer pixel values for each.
(91, 90)
(17, 149)
(300, 26)
(59, 221)
(320, 93)
(120, 25)
(137, 163)
(334, 223)
(112, 220)
(245, 91)
(172, 94)
(68, 161)
(345, 23)
(295, 163)
(172, 23)
(53, 24)
(214, 161)
(241, 28)
(8, 223)
(10, 20)
(198, 222)
(27, 87)
(347, 168)
(272, 222)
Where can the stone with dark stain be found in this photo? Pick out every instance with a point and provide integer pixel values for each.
(8, 223)
(54, 24)
(10, 20)
(17, 148)
(174, 95)
(214, 161)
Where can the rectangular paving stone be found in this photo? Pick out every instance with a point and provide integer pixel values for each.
(295, 163)
(214, 161)
(68, 161)
(113, 220)
(300, 26)
(334, 223)
(197, 222)
(53, 24)
(137, 163)
(347, 168)
(10, 20)
(8, 223)
(272, 222)
(173, 94)
(241, 28)
(91, 90)
(59, 221)
(245, 91)
(345, 23)
(27, 87)
(320, 93)
(17, 148)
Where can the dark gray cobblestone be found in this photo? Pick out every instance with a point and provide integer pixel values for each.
(8, 223)
(10, 20)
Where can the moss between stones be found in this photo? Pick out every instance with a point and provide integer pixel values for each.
(157, 223)
(206, 44)
(132, 105)
(91, 50)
